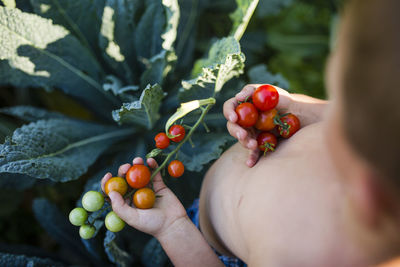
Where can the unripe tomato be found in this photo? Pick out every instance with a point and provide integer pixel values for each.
(265, 120)
(176, 168)
(178, 131)
(92, 201)
(78, 216)
(113, 222)
(265, 97)
(86, 231)
(247, 114)
(116, 184)
(289, 125)
(266, 141)
(138, 176)
(162, 140)
(144, 198)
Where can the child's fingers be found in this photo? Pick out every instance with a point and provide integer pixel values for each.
(122, 209)
(137, 161)
(246, 92)
(123, 169)
(158, 183)
(104, 180)
(236, 131)
(229, 110)
(253, 157)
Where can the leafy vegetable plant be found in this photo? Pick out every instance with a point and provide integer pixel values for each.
(128, 64)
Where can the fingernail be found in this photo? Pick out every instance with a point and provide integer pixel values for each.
(239, 135)
(232, 118)
(249, 163)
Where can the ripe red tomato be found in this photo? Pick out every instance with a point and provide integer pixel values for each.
(144, 198)
(162, 140)
(138, 176)
(178, 131)
(288, 125)
(265, 97)
(247, 114)
(266, 141)
(116, 184)
(265, 120)
(176, 168)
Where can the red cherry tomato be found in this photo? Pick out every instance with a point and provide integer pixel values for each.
(162, 140)
(288, 125)
(138, 176)
(266, 141)
(176, 168)
(247, 114)
(265, 120)
(144, 198)
(265, 97)
(178, 131)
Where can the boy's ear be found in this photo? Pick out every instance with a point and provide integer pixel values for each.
(373, 201)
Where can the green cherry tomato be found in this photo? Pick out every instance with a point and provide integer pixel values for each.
(86, 231)
(78, 216)
(92, 201)
(113, 222)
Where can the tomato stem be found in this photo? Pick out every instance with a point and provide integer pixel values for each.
(204, 111)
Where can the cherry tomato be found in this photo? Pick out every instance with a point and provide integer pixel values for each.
(144, 198)
(266, 141)
(178, 131)
(265, 120)
(92, 201)
(116, 184)
(176, 168)
(113, 222)
(138, 176)
(87, 231)
(247, 114)
(265, 97)
(78, 216)
(288, 125)
(162, 140)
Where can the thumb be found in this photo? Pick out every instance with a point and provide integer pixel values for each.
(158, 182)
(121, 208)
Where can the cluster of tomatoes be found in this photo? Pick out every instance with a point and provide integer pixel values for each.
(263, 116)
(138, 177)
(177, 133)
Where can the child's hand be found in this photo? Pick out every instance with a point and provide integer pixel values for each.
(247, 137)
(167, 210)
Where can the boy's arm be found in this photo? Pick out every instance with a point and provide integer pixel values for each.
(186, 246)
(167, 221)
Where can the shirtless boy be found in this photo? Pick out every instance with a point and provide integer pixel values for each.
(328, 196)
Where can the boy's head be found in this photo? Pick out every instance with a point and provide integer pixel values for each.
(363, 78)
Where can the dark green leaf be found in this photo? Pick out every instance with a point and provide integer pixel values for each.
(56, 224)
(271, 7)
(144, 111)
(207, 148)
(82, 18)
(114, 252)
(12, 260)
(16, 181)
(224, 62)
(56, 149)
(35, 52)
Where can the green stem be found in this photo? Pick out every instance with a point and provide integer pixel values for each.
(100, 212)
(187, 137)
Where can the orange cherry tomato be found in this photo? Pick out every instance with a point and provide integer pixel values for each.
(176, 168)
(138, 176)
(178, 131)
(162, 140)
(116, 184)
(144, 198)
(265, 120)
